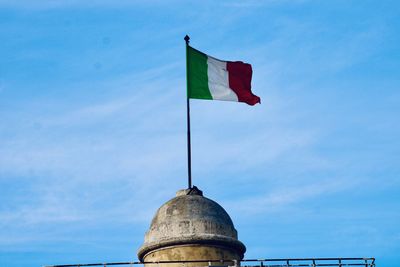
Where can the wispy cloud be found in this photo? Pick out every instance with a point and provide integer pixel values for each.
(67, 171)
(282, 198)
(258, 4)
(49, 4)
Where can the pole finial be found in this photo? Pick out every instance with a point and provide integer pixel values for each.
(187, 38)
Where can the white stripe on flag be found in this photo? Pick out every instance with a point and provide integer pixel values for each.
(218, 81)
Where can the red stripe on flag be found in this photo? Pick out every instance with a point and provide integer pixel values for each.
(240, 81)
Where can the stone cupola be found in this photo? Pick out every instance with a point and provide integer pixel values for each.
(191, 227)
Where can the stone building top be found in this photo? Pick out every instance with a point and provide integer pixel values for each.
(191, 218)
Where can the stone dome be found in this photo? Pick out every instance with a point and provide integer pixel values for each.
(191, 218)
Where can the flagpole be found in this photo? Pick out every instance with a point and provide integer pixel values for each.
(187, 38)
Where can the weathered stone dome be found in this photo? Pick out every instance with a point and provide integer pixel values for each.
(190, 218)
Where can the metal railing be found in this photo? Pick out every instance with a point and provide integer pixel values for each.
(299, 262)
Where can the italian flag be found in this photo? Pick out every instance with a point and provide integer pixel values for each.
(214, 79)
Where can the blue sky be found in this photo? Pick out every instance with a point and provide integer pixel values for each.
(93, 129)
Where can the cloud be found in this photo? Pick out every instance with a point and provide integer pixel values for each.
(50, 4)
(260, 3)
(279, 199)
(113, 150)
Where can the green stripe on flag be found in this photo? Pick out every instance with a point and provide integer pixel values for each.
(197, 78)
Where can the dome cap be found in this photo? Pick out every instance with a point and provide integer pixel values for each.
(191, 218)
